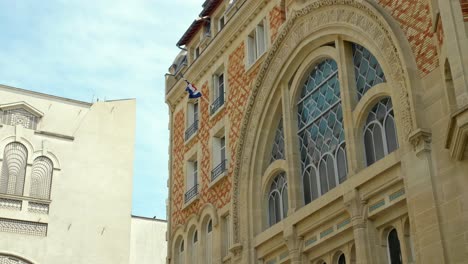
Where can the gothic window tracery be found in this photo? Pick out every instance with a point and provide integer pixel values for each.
(277, 152)
(13, 169)
(278, 199)
(367, 70)
(41, 178)
(321, 132)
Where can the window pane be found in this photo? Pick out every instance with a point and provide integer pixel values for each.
(331, 172)
(271, 211)
(367, 70)
(341, 163)
(390, 131)
(284, 200)
(278, 143)
(378, 142)
(307, 186)
(369, 146)
(323, 178)
(342, 259)
(394, 248)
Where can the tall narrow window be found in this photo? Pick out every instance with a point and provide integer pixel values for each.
(192, 120)
(321, 134)
(256, 42)
(227, 235)
(221, 23)
(367, 70)
(192, 180)
(380, 135)
(277, 152)
(278, 199)
(394, 250)
(342, 259)
(218, 92)
(219, 157)
(41, 178)
(13, 169)
(194, 253)
(181, 257)
(209, 242)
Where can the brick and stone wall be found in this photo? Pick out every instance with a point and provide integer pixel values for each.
(464, 6)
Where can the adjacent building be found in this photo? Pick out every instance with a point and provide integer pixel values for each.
(66, 179)
(328, 132)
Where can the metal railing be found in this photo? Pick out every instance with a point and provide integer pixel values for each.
(218, 170)
(217, 104)
(192, 192)
(191, 130)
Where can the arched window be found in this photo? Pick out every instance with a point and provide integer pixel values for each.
(11, 259)
(41, 178)
(209, 242)
(13, 169)
(277, 152)
(194, 250)
(394, 251)
(321, 134)
(367, 70)
(181, 257)
(342, 259)
(380, 135)
(278, 199)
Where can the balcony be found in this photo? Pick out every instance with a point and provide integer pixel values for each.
(218, 170)
(217, 104)
(191, 193)
(191, 130)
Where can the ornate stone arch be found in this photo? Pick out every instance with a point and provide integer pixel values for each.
(10, 258)
(319, 17)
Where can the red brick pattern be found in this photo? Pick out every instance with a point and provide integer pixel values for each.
(277, 18)
(177, 168)
(415, 19)
(464, 7)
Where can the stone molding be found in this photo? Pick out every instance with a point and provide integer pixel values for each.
(457, 137)
(301, 24)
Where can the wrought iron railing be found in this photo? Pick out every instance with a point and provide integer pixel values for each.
(218, 170)
(192, 192)
(217, 104)
(191, 130)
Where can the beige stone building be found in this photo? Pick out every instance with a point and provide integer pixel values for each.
(329, 131)
(147, 241)
(62, 197)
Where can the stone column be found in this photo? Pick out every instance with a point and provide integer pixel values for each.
(295, 245)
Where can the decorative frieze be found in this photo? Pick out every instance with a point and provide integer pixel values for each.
(38, 208)
(23, 227)
(11, 204)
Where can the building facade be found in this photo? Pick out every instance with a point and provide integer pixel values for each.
(329, 131)
(147, 243)
(62, 197)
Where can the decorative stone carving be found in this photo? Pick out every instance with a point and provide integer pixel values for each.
(23, 227)
(302, 24)
(4, 259)
(421, 141)
(10, 204)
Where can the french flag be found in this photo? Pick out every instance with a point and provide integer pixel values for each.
(192, 90)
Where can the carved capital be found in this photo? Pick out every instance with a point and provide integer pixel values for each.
(236, 250)
(421, 141)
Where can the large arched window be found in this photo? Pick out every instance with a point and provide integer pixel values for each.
(209, 242)
(41, 178)
(393, 247)
(278, 199)
(13, 169)
(321, 133)
(380, 135)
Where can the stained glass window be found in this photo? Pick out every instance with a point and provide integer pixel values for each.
(380, 136)
(278, 199)
(367, 70)
(321, 133)
(277, 152)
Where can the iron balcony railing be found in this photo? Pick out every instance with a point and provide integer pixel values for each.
(192, 192)
(217, 104)
(218, 170)
(192, 129)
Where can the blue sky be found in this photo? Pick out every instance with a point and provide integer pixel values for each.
(110, 49)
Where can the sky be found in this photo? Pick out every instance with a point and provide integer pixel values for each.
(106, 49)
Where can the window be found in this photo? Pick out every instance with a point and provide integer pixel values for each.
(321, 133)
(207, 28)
(277, 151)
(41, 178)
(278, 199)
(209, 242)
(192, 120)
(367, 70)
(256, 43)
(196, 53)
(342, 259)
(194, 252)
(218, 92)
(192, 180)
(219, 157)
(380, 136)
(394, 251)
(227, 235)
(13, 169)
(181, 257)
(221, 23)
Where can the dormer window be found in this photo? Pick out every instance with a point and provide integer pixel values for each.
(21, 114)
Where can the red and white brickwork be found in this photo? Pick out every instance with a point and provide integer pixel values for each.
(277, 18)
(464, 6)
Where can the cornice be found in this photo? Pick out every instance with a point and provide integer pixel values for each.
(216, 48)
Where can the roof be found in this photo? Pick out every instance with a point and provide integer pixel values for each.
(209, 6)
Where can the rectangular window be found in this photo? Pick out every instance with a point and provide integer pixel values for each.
(221, 23)
(191, 180)
(219, 157)
(218, 92)
(256, 43)
(227, 235)
(196, 53)
(192, 120)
